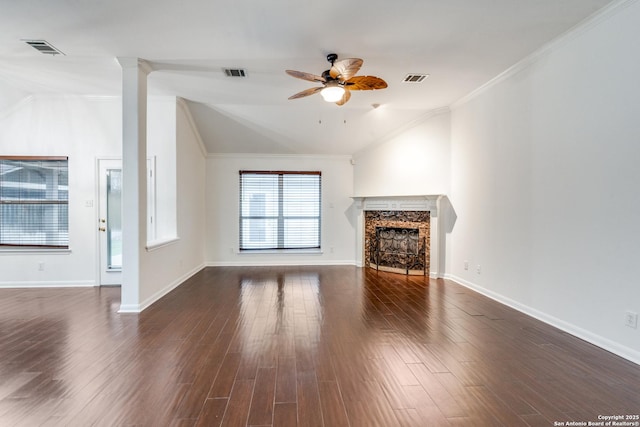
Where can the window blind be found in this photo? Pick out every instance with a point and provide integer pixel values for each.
(34, 201)
(280, 210)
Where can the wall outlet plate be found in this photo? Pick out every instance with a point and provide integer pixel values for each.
(631, 319)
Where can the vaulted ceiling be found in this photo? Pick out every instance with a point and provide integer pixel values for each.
(461, 44)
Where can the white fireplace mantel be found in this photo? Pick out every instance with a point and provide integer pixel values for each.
(399, 203)
(429, 202)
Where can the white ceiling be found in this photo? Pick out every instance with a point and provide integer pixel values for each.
(461, 43)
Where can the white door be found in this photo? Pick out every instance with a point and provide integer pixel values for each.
(110, 221)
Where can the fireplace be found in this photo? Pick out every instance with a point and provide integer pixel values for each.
(400, 234)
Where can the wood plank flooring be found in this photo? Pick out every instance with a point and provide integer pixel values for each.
(298, 346)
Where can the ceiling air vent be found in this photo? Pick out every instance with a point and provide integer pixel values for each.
(44, 47)
(235, 72)
(415, 78)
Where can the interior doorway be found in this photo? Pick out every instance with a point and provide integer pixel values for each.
(110, 217)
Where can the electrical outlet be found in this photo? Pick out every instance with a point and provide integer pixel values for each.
(478, 269)
(466, 265)
(41, 266)
(631, 319)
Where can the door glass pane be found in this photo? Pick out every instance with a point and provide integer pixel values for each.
(114, 219)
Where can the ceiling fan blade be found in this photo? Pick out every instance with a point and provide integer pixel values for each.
(306, 76)
(345, 98)
(345, 68)
(306, 92)
(365, 83)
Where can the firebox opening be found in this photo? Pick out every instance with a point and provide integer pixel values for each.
(397, 241)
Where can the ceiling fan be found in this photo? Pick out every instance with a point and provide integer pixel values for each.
(338, 81)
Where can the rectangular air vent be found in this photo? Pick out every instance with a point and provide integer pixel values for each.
(44, 47)
(235, 72)
(415, 78)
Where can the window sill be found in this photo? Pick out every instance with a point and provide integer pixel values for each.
(33, 251)
(157, 244)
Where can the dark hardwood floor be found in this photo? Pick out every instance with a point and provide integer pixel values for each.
(306, 346)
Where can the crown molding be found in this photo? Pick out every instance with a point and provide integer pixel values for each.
(184, 107)
(339, 157)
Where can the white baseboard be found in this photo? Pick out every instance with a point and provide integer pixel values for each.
(49, 284)
(272, 263)
(602, 342)
(137, 308)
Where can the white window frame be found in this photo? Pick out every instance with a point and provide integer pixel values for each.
(56, 228)
(279, 218)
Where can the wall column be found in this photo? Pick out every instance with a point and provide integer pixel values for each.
(134, 187)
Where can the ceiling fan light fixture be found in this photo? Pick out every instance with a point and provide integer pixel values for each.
(339, 81)
(332, 92)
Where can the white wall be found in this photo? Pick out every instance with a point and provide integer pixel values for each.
(415, 162)
(82, 129)
(338, 216)
(161, 149)
(88, 128)
(545, 182)
(167, 266)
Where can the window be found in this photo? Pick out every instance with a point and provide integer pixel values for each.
(34, 201)
(279, 210)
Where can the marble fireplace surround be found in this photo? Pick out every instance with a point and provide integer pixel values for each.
(430, 203)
